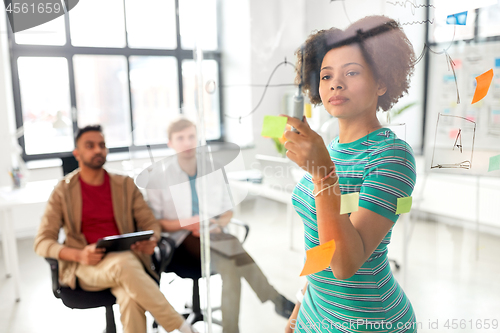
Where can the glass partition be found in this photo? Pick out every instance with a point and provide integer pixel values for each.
(275, 241)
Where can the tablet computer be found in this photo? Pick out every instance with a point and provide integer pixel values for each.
(123, 242)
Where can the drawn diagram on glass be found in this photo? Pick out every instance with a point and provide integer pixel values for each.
(359, 37)
(413, 7)
(412, 4)
(448, 109)
(265, 86)
(458, 141)
(453, 145)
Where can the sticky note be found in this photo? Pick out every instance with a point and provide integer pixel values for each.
(457, 63)
(318, 258)
(404, 205)
(308, 110)
(457, 19)
(497, 62)
(494, 163)
(453, 133)
(349, 202)
(273, 126)
(483, 84)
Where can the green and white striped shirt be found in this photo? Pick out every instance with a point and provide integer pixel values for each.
(381, 168)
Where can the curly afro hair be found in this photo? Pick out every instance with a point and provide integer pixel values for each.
(388, 51)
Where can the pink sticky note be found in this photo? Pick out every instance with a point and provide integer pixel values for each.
(453, 133)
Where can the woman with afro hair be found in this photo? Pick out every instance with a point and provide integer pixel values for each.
(353, 73)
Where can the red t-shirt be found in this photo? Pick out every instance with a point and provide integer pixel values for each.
(98, 218)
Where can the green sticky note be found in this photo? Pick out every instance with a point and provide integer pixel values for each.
(273, 126)
(494, 163)
(349, 202)
(404, 205)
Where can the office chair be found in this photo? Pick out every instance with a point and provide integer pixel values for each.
(395, 263)
(193, 313)
(81, 299)
(69, 163)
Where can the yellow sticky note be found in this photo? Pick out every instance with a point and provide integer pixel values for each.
(273, 126)
(349, 203)
(318, 258)
(404, 205)
(483, 85)
(308, 110)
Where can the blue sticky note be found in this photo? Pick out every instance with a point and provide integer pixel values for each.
(457, 19)
(497, 62)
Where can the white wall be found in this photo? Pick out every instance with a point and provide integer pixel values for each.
(257, 36)
(236, 59)
(277, 30)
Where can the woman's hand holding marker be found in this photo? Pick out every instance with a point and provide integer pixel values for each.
(307, 149)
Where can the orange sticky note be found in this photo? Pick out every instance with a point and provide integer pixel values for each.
(318, 258)
(483, 85)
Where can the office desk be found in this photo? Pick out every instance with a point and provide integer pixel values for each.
(269, 192)
(33, 193)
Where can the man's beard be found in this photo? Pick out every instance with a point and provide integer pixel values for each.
(95, 163)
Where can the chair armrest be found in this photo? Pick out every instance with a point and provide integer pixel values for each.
(163, 256)
(54, 272)
(241, 224)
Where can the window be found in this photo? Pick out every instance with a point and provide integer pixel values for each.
(131, 70)
(155, 95)
(210, 97)
(482, 22)
(46, 104)
(489, 23)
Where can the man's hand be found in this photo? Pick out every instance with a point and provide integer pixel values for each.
(224, 219)
(91, 255)
(147, 246)
(215, 227)
(193, 225)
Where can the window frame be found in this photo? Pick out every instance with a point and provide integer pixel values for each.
(67, 51)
